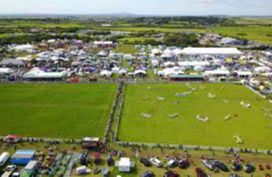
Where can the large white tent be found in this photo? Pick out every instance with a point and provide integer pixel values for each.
(36, 73)
(210, 51)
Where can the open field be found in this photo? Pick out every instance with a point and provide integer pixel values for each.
(254, 21)
(125, 48)
(255, 33)
(155, 29)
(226, 116)
(55, 110)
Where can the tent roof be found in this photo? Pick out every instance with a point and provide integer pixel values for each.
(211, 51)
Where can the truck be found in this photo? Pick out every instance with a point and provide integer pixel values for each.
(3, 158)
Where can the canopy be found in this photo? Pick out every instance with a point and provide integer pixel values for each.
(211, 51)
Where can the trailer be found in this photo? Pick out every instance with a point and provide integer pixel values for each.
(7, 174)
(3, 158)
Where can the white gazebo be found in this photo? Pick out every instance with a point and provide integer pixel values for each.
(124, 164)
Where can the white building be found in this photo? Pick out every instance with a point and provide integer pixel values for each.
(124, 165)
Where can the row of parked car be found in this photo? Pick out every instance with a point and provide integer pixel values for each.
(211, 164)
(172, 162)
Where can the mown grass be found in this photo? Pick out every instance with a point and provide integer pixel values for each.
(55, 110)
(250, 124)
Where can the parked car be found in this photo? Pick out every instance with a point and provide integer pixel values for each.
(84, 160)
(183, 163)
(145, 161)
(248, 168)
(267, 175)
(200, 173)
(16, 174)
(208, 164)
(172, 163)
(148, 174)
(267, 166)
(236, 166)
(233, 175)
(155, 161)
(110, 161)
(171, 174)
(11, 168)
(220, 165)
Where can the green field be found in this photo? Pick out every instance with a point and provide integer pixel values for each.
(249, 124)
(255, 33)
(55, 110)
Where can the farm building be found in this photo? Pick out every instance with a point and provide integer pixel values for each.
(22, 157)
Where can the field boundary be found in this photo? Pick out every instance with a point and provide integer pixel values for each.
(195, 147)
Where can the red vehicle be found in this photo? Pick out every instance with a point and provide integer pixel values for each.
(200, 173)
(97, 159)
(171, 174)
(268, 167)
(12, 139)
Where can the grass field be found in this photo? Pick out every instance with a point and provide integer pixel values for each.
(125, 48)
(55, 110)
(256, 33)
(249, 124)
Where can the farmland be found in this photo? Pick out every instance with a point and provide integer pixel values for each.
(155, 114)
(255, 33)
(55, 110)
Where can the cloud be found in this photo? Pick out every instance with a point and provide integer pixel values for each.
(206, 1)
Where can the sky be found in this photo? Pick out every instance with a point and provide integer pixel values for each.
(140, 7)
